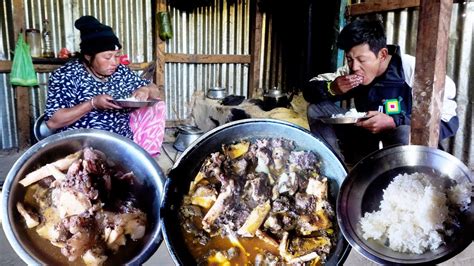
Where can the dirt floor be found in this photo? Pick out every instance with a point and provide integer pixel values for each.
(162, 257)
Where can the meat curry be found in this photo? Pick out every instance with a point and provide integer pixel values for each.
(257, 203)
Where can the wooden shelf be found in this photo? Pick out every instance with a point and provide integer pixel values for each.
(48, 65)
(50, 61)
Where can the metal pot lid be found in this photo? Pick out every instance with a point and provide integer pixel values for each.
(275, 93)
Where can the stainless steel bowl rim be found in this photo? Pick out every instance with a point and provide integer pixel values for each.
(216, 94)
(217, 89)
(155, 238)
(188, 129)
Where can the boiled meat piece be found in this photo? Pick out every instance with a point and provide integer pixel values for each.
(218, 207)
(70, 202)
(32, 219)
(94, 257)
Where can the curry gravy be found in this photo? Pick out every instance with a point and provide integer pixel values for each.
(252, 247)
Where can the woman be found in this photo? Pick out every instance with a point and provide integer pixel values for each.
(81, 93)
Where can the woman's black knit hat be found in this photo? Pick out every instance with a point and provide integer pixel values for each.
(95, 36)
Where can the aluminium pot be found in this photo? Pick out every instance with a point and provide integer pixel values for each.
(216, 93)
(189, 163)
(186, 135)
(274, 98)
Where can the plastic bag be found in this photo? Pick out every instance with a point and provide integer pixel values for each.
(23, 73)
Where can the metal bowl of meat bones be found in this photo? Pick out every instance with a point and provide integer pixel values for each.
(188, 167)
(85, 197)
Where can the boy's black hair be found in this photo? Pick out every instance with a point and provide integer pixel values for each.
(360, 31)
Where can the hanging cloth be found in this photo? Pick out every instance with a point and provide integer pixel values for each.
(23, 73)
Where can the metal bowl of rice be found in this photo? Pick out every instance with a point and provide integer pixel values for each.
(384, 178)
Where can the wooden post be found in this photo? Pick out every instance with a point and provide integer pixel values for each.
(255, 46)
(22, 96)
(430, 71)
(160, 52)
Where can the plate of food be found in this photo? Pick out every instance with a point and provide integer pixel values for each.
(378, 217)
(350, 117)
(134, 102)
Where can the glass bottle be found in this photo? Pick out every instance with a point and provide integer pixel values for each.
(47, 40)
(33, 38)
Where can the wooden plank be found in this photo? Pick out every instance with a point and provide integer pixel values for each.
(207, 59)
(379, 6)
(160, 52)
(22, 97)
(5, 66)
(430, 71)
(255, 49)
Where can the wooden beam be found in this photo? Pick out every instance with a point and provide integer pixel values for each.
(23, 120)
(160, 52)
(430, 71)
(207, 59)
(379, 6)
(22, 96)
(255, 49)
(6, 66)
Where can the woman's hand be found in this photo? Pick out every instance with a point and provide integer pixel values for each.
(377, 122)
(146, 92)
(104, 102)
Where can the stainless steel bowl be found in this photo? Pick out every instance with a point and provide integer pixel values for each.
(121, 150)
(362, 192)
(216, 93)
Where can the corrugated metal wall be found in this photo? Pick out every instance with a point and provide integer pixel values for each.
(218, 29)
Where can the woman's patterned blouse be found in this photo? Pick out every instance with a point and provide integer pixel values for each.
(72, 84)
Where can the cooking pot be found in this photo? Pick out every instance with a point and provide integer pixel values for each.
(275, 98)
(188, 164)
(185, 136)
(148, 190)
(217, 93)
(40, 129)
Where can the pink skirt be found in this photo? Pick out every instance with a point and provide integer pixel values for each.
(148, 127)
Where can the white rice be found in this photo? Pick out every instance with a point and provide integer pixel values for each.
(352, 113)
(412, 213)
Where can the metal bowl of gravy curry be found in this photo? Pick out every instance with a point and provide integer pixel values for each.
(254, 191)
(83, 197)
